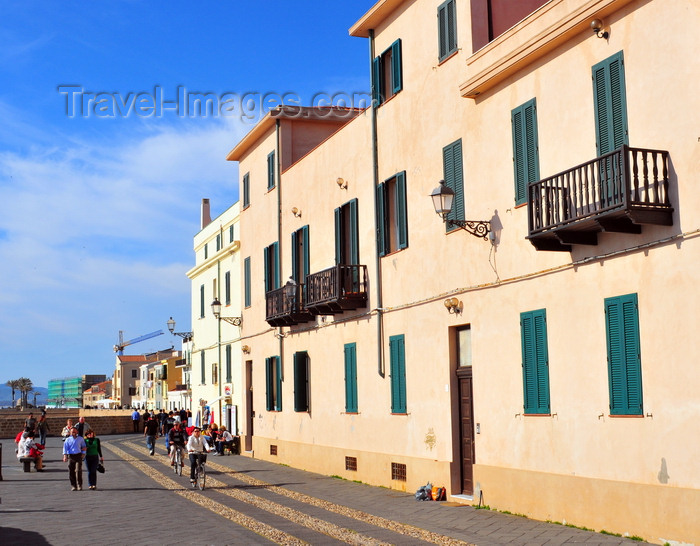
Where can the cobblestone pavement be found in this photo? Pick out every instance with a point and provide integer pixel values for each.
(139, 500)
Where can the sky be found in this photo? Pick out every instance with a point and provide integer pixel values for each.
(105, 156)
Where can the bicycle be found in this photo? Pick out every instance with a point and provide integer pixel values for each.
(200, 473)
(178, 460)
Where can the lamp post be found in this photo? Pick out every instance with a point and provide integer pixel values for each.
(184, 335)
(216, 309)
(443, 197)
(290, 293)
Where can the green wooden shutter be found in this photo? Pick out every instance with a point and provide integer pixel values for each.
(396, 75)
(295, 256)
(228, 363)
(266, 266)
(376, 81)
(278, 368)
(201, 301)
(452, 167)
(397, 358)
(203, 368)
(382, 246)
(271, 170)
(338, 236)
(401, 211)
(269, 388)
(246, 190)
(276, 264)
(227, 287)
(525, 148)
(610, 104)
(535, 362)
(306, 262)
(246, 281)
(624, 355)
(301, 381)
(354, 233)
(447, 29)
(350, 354)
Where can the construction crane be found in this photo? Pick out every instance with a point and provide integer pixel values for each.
(119, 348)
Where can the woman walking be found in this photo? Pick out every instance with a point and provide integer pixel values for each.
(93, 457)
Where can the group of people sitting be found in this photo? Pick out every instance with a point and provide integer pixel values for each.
(26, 444)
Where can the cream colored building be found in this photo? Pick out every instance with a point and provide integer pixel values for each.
(215, 356)
(545, 368)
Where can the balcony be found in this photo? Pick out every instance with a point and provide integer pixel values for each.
(281, 310)
(616, 192)
(336, 289)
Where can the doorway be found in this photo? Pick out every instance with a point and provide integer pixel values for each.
(465, 408)
(250, 413)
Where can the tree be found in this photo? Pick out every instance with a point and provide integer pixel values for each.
(24, 386)
(35, 394)
(13, 384)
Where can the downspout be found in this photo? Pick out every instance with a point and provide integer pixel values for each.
(375, 169)
(278, 157)
(218, 297)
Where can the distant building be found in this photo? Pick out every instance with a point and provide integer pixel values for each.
(67, 392)
(97, 394)
(126, 382)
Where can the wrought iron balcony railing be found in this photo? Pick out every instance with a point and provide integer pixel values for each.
(336, 289)
(281, 310)
(617, 192)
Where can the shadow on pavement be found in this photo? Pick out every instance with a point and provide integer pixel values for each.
(12, 536)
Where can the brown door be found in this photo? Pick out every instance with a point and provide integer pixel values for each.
(466, 410)
(250, 414)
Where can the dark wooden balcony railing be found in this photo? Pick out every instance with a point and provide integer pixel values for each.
(336, 289)
(617, 192)
(283, 311)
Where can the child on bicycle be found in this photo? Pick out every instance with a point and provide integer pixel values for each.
(197, 448)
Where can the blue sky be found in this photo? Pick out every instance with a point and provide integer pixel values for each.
(101, 180)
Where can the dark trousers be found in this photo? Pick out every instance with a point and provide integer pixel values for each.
(75, 470)
(193, 462)
(91, 461)
(136, 425)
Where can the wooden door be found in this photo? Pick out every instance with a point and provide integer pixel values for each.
(466, 420)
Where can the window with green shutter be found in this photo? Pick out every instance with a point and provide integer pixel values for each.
(246, 190)
(392, 221)
(271, 262)
(350, 356)
(453, 176)
(525, 148)
(227, 288)
(301, 381)
(300, 254)
(535, 362)
(610, 104)
(246, 282)
(203, 368)
(273, 383)
(228, 363)
(624, 355)
(447, 29)
(397, 361)
(347, 239)
(271, 168)
(201, 301)
(230, 234)
(387, 74)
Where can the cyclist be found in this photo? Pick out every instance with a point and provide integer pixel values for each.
(197, 448)
(177, 438)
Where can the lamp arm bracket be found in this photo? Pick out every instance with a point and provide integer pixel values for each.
(478, 228)
(236, 321)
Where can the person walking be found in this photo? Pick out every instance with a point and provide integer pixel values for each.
(65, 433)
(93, 457)
(151, 433)
(42, 427)
(82, 427)
(74, 449)
(136, 417)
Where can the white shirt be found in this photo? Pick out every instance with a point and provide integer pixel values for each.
(197, 445)
(226, 436)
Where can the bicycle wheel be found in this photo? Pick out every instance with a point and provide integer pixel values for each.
(202, 477)
(178, 463)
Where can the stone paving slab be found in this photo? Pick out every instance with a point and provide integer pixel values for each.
(141, 501)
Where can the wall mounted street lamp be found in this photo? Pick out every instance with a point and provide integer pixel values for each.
(216, 309)
(290, 291)
(453, 306)
(246, 349)
(443, 197)
(342, 184)
(296, 212)
(183, 335)
(597, 27)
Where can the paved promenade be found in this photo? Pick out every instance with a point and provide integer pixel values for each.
(139, 500)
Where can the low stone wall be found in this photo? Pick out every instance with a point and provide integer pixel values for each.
(103, 422)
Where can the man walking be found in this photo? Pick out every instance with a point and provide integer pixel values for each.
(82, 427)
(150, 431)
(74, 449)
(136, 417)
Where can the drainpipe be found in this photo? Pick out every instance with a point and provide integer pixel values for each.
(218, 297)
(375, 169)
(278, 157)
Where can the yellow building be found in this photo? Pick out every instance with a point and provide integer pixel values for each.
(542, 366)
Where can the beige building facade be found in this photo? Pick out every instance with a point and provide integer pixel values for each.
(543, 366)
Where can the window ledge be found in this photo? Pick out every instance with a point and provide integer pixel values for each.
(450, 56)
(531, 39)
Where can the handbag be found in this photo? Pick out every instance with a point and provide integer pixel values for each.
(101, 468)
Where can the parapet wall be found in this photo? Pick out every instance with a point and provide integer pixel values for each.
(103, 422)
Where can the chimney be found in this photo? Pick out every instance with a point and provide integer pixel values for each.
(206, 213)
